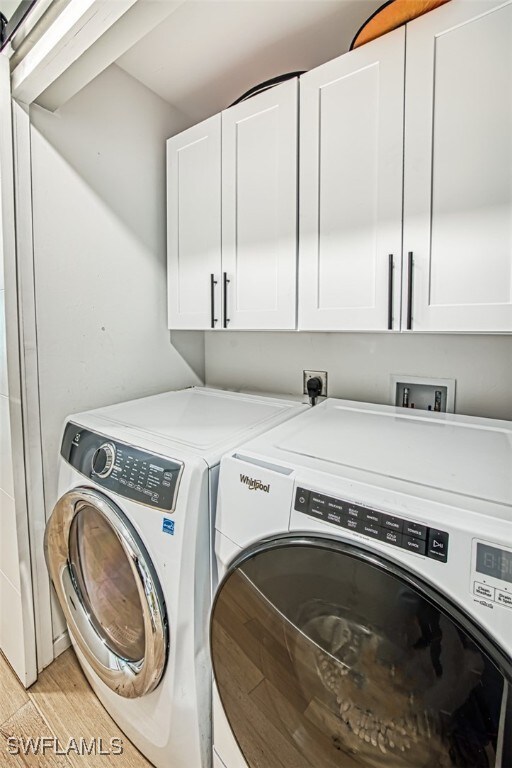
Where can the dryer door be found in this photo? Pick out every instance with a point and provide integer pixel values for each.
(327, 655)
(108, 590)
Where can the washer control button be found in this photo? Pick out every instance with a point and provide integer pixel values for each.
(335, 505)
(369, 529)
(415, 529)
(355, 511)
(352, 524)
(503, 598)
(302, 500)
(372, 517)
(317, 500)
(392, 523)
(482, 590)
(414, 545)
(438, 545)
(334, 517)
(391, 537)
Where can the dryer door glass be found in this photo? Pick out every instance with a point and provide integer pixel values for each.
(325, 655)
(109, 591)
(107, 583)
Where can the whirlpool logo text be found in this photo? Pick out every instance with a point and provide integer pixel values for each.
(254, 485)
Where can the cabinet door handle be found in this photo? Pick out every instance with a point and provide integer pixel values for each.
(226, 318)
(409, 290)
(213, 283)
(390, 292)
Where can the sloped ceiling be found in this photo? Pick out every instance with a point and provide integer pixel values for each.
(208, 52)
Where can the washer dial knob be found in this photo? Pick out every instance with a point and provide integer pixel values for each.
(103, 460)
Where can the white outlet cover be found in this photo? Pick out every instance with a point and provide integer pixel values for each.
(323, 375)
(404, 378)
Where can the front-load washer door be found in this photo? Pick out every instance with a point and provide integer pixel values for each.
(108, 590)
(327, 656)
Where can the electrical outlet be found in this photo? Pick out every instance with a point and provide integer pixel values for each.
(322, 375)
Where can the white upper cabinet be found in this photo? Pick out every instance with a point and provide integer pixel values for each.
(194, 226)
(232, 217)
(259, 210)
(408, 135)
(458, 168)
(351, 151)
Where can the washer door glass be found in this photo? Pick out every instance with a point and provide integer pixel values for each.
(107, 583)
(325, 655)
(109, 591)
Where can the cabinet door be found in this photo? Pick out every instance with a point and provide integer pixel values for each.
(458, 168)
(259, 210)
(351, 189)
(194, 226)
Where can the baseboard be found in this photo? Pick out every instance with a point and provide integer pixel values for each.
(61, 644)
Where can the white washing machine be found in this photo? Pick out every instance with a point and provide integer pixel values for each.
(364, 616)
(128, 549)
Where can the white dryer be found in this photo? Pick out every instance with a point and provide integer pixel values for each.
(364, 616)
(128, 549)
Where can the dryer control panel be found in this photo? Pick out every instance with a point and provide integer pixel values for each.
(375, 524)
(128, 471)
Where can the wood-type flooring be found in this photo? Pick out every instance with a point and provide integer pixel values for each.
(62, 708)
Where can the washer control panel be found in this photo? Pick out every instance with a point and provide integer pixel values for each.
(390, 529)
(123, 469)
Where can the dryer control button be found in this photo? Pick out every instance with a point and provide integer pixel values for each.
(104, 459)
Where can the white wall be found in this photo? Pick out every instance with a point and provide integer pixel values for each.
(359, 365)
(100, 255)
